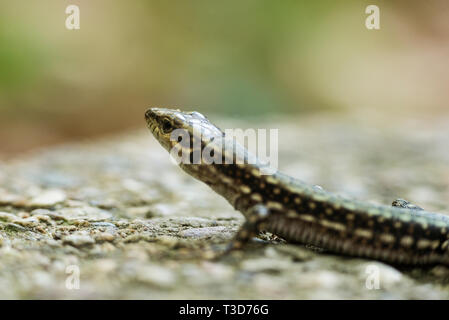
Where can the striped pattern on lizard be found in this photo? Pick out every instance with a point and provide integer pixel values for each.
(298, 212)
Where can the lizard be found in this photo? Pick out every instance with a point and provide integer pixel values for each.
(402, 233)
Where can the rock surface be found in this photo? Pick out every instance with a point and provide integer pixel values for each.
(115, 218)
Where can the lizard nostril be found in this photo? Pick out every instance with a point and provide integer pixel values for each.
(149, 114)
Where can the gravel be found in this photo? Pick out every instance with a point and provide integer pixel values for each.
(119, 217)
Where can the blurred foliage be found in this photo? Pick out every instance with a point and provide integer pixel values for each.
(21, 61)
(239, 58)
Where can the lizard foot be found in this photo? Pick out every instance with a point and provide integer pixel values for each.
(401, 203)
(253, 225)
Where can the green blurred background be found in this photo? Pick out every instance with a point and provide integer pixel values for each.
(236, 58)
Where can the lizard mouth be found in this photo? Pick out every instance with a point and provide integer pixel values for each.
(153, 128)
(150, 118)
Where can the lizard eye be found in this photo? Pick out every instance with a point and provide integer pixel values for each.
(167, 126)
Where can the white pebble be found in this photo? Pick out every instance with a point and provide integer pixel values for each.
(48, 198)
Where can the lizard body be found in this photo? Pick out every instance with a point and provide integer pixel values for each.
(298, 212)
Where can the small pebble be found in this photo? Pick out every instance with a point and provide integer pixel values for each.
(28, 222)
(8, 198)
(161, 210)
(104, 224)
(104, 236)
(298, 253)
(144, 211)
(78, 240)
(15, 227)
(202, 233)
(156, 276)
(41, 211)
(47, 213)
(320, 280)
(48, 198)
(43, 218)
(85, 212)
(7, 217)
(265, 265)
(23, 215)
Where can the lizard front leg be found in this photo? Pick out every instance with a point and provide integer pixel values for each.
(255, 218)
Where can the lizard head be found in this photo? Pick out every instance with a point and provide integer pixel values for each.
(199, 147)
(182, 134)
(167, 125)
